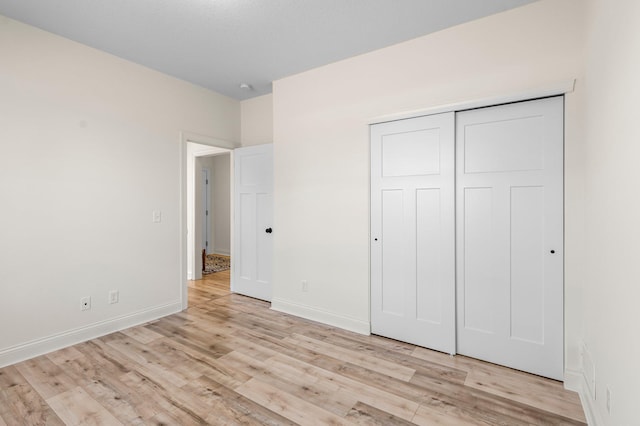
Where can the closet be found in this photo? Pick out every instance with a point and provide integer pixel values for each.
(467, 233)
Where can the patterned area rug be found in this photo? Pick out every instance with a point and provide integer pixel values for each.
(216, 263)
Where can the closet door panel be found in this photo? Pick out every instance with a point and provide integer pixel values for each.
(510, 239)
(412, 231)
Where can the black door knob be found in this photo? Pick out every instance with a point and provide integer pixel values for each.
(553, 251)
(268, 230)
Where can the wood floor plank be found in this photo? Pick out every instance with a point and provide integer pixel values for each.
(47, 378)
(100, 379)
(295, 381)
(387, 351)
(166, 398)
(211, 366)
(235, 319)
(146, 361)
(64, 355)
(359, 342)
(76, 407)
(528, 389)
(105, 357)
(20, 403)
(434, 357)
(287, 405)
(357, 358)
(142, 334)
(383, 399)
(364, 414)
(322, 393)
(483, 406)
(229, 407)
(250, 348)
(427, 416)
(406, 390)
(231, 360)
(212, 347)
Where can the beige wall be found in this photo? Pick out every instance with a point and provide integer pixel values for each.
(257, 120)
(322, 147)
(89, 147)
(611, 316)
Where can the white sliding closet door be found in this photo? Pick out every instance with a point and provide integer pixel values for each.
(509, 228)
(412, 231)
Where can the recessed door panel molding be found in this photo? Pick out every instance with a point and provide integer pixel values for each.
(527, 264)
(510, 245)
(429, 255)
(481, 265)
(246, 231)
(252, 256)
(252, 169)
(505, 145)
(412, 231)
(264, 241)
(411, 154)
(394, 252)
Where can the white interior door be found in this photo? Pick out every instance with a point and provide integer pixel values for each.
(253, 215)
(509, 228)
(412, 231)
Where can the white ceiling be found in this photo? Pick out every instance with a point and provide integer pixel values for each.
(219, 44)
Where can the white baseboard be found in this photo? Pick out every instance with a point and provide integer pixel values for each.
(325, 317)
(48, 344)
(575, 381)
(224, 252)
(572, 380)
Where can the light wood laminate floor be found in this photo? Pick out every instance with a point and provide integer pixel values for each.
(230, 360)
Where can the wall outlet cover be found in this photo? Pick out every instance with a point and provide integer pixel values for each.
(85, 303)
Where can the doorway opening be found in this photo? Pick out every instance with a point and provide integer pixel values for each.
(250, 201)
(208, 206)
(204, 159)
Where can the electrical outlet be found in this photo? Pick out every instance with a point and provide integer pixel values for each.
(85, 303)
(305, 286)
(114, 297)
(608, 400)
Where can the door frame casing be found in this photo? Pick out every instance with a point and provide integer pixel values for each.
(186, 137)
